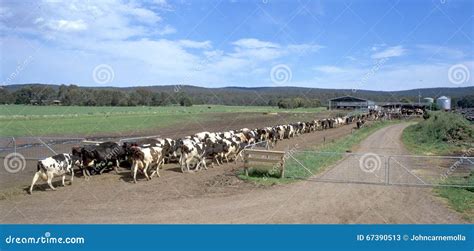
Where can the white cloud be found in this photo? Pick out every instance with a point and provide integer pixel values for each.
(166, 30)
(329, 69)
(64, 25)
(252, 43)
(195, 44)
(304, 48)
(163, 4)
(351, 58)
(143, 15)
(97, 20)
(256, 49)
(131, 38)
(401, 76)
(394, 51)
(441, 51)
(5, 12)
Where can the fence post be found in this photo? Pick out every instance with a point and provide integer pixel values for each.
(14, 144)
(246, 163)
(282, 165)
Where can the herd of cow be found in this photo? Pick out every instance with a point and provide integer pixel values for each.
(191, 153)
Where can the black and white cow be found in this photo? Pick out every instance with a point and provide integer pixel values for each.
(214, 149)
(191, 151)
(57, 165)
(170, 150)
(144, 159)
(360, 123)
(231, 149)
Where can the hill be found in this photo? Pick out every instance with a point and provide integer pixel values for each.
(259, 95)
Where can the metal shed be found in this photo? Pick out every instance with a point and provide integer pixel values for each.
(350, 102)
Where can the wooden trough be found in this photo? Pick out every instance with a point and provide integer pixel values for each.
(264, 156)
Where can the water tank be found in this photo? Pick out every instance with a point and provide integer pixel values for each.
(428, 100)
(444, 103)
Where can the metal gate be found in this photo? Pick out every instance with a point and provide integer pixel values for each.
(431, 170)
(372, 168)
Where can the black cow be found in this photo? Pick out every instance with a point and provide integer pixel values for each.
(96, 158)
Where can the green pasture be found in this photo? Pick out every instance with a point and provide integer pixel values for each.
(25, 120)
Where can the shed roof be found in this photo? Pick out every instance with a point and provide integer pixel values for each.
(349, 99)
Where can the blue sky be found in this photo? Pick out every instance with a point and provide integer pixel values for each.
(374, 45)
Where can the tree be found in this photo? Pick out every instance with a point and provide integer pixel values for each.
(146, 96)
(185, 101)
(23, 95)
(466, 101)
(6, 97)
(73, 95)
(405, 100)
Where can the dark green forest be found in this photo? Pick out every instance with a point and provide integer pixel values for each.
(284, 97)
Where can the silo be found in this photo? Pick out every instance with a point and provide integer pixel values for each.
(444, 103)
(428, 100)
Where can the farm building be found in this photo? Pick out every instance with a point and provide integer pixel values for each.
(349, 102)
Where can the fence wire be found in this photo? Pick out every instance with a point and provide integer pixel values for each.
(371, 168)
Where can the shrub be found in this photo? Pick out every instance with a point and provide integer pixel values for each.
(443, 127)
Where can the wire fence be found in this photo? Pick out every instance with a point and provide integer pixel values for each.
(37, 147)
(372, 168)
(19, 155)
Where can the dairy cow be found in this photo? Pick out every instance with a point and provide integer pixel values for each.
(57, 165)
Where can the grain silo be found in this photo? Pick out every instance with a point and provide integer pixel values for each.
(444, 103)
(428, 100)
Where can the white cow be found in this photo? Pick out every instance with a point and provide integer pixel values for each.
(57, 165)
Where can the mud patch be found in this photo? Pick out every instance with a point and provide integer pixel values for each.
(224, 180)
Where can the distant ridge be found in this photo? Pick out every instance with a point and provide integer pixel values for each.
(221, 94)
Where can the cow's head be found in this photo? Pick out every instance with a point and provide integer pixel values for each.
(76, 161)
(88, 157)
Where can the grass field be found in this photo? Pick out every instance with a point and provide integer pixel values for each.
(22, 120)
(316, 163)
(38, 111)
(445, 134)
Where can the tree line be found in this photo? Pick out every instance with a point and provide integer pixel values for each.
(74, 95)
(69, 95)
(286, 98)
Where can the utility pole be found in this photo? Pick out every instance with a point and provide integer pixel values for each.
(419, 94)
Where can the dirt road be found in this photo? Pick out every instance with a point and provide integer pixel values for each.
(216, 196)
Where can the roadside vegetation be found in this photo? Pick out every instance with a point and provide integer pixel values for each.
(443, 133)
(315, 159)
